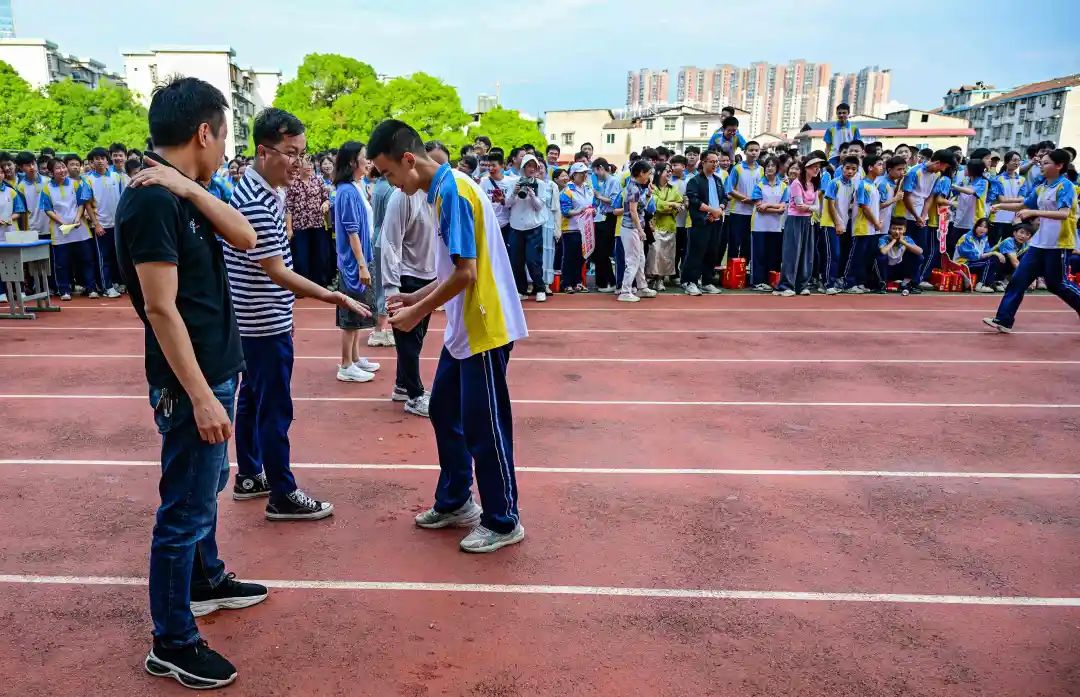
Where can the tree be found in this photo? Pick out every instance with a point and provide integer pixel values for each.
(508, 130)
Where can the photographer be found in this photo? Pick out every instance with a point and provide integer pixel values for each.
(527, 215)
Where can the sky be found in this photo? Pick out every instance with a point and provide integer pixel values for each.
(573, 54)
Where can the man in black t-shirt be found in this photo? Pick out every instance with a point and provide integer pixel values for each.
(172, 264)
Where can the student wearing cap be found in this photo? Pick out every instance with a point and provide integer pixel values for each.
(575, 202)
(797, 253)
(527, 215)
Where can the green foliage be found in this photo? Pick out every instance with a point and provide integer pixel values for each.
(67, 116)
(340, 98)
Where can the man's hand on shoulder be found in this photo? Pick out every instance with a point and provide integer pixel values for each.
(156, 174)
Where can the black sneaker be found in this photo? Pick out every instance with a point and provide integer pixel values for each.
(230, 594)
(250, 487)
(298, 506)
(197, 666)
(914, 289)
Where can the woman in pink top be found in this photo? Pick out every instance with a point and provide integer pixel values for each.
(798, 250)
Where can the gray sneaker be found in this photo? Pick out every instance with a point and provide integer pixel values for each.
(399, 394)
(419, 406)
(482, 540)
(465, 517)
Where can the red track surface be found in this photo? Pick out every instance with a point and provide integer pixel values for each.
(976, 537)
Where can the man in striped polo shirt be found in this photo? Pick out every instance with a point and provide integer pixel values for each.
(263, 284)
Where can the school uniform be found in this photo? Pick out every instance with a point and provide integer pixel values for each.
(11, 205)
(742, 179)
(573, 198)
(470, 402)
(922, 184)
(887, 189)
(969, 208)
(1048, 251)
(836, 135)
(864, 236)
(842, 192)
(1001, 186)
(766, 230)
(720, 143)
(107, 189)
(898, 264)
(31, 194)
(820, 236)
(969, 250)
(502, 189)
(73, 247)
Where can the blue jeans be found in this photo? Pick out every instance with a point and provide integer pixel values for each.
(264, 412)
(470, 412)
(183, 552)
(1048, 263)
(527, 253)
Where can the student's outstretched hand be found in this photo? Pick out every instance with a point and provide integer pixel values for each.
(156, 174)
(404, 318)
(353, 306)
(399, 301)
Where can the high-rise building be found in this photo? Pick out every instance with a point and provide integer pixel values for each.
(647, 89)
(40, 63)
(779, 98)
(7, 20)
(247, 90)
(486, 102)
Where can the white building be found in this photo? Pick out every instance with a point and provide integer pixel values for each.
(1048, 110)
(41, 63)
(247, 91)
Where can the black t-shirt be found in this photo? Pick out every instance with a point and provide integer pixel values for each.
(153, 225)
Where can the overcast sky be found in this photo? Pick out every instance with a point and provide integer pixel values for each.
(562, 54)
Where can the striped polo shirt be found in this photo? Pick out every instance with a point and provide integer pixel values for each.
(262, 307)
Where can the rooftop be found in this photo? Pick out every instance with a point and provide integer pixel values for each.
(1058, 83)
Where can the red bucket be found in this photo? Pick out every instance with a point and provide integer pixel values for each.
(774, 279)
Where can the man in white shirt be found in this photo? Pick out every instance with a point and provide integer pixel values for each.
(527, 215)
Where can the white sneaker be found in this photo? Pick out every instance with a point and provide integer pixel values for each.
(1000, 286)
(1040, 284)
(93, 295)
(79, 290)
(354, 374)
(65, 297)
(804, 291)
(786, 293)
(482, 540)
(832, 291)
(646, 293)
(983, 288)
(381, 338)
(629, 298)
(465, 517)
(660, 287)
(367, 366)
(541, 297)
(112, 293)
(763, 288)
(522, 296)
(855, 290)
(606, 289)
(710, 289)
(692, 289)
(3, 297)
(926, 285)
(419, 406)
(399, 394)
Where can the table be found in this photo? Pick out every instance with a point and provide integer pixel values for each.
(16, 258)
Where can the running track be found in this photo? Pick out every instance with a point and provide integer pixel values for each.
(741, 496)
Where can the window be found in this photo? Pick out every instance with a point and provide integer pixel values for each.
(1012, 108)
(1018, 139)
(669, 124)
(1027, 128)
(1057, 101)
(1042, 100)
(925, 118)
(1030, 102)
(567, 138)
(609, 139)
(703, 128)
(648, 124)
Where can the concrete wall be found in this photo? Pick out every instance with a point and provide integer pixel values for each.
(29, 58)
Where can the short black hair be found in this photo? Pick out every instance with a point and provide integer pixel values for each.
(869, 161)
(729, 122)
(465, 150)
(5, 156)
(895, 161)
(752, 142)
(927, 153)
(514, 152)
(650, 154)
(728, 108)
(550, 147)
(502, 153)
(98, 152)
(979, 153)
(692, 149)
(587, 143)
(678, 160)
(640, 167)
(179, 107)
(132, 166)
(135, 152)
(857, 142)
(51, 152)
(580, 156)
(25, 158)
(471, 162)
(600, 163)
(343, 164)
(117, 147)
(557, 172)
(393, 138)
(850, 160)
(944, 156)
(494, 156)
(71, 156)
(1023, 227)
(843, 105)
(1061, 158)
(433, 145)
(272, 125)
(482, 139)
(53, 161)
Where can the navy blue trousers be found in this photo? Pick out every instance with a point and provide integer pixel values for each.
(864, 250)
(1036, 262)
(264, 411)
(470, 412)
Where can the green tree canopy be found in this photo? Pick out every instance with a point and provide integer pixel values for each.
(340, 98)
(67, 116)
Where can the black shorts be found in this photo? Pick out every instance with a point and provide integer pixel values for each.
(351, 320)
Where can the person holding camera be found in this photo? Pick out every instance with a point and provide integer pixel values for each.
(527, 215)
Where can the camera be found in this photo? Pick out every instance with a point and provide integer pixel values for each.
(526, 183)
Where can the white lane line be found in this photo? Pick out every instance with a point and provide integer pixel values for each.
(621, 471)
(601, 591)
(621, 402)
(635, 330)
(601, 359)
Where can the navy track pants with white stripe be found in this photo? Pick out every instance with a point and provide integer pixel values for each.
(470, 412)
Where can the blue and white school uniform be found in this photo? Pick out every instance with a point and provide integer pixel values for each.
(766, 229)
(74, 247)
(842, 192)
(969, 250)
(107, 189)
(11, 205)
(31, 193)
(897, 264)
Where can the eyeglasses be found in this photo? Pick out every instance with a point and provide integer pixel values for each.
(293, 159)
